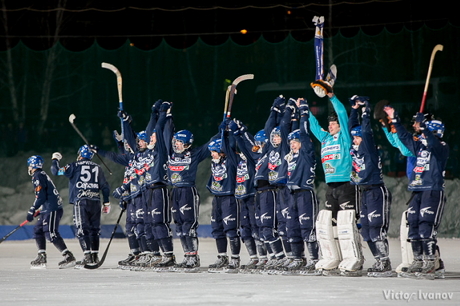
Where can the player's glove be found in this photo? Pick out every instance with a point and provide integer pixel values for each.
(303, 108)
(224, 124)
(420, 118)
(106, 208)
(93, 148)
(165, 106)
(117, 137)
(321, 88)
(56, 155)
(30, 214)
(156, 106)
(124, 116)
(278, 104)
(123, 205)
(118, 192)
(237, 127)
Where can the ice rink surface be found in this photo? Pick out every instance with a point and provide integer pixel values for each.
(19, 285)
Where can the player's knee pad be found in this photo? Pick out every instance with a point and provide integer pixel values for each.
(350, 241)
(327, 240)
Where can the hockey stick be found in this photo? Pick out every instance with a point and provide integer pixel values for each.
(433, 53)
(101, 261)
(119, 87)
(231, 92)
(18, 227)
(71, 120)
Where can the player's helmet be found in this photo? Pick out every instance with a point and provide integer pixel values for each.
(184, 136)
(260, 138)
(85, 152)
(34, 162)
(356, 131)
(294, 135)
(142, 135)
(275, 132)
(215, 145)
(436, 127)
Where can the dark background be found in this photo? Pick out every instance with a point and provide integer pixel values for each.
(78, 24)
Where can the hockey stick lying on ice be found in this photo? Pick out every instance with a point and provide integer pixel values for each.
(433, 53)
(71, 120)
(17, 227)
(101, 261)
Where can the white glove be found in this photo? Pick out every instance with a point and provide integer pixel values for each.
(320, 92)
(106, 208)
(57, 155)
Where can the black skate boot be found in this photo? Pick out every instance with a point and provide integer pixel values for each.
(428, 269)
(94, 259)
(383, 269)
(87, 260)
(414, 267)
(260, 265)
(123, 264)
(193, 264)
(294, 266)
(250, 266)
(219, 265)
(310, 268)
(167, 262)
(233, 265)
(39, 262)
(68, 262)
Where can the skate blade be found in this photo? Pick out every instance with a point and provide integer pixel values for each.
(291, 273)
(382, 274)
(38, 267)
(164, 269)
(334, 272)
(429, 276)
(351, 273)
(310, 272)
(270, 272)
(249, 271)
(231, 271)
(216, 270)
(192, 270)
(66, 266)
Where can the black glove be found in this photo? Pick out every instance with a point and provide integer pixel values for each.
(30, 214)
(118, 192)
(420, 118)
(124, 116)
(156, 106)
(123, 205)
(278, 104)
(304, 108)
(165, 106)
(93, 148)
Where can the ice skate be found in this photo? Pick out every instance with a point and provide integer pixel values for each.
(273, 266)
(439, 271)
(233, 265)
(250, 266)
(151, 263)
(415, 266)
(219, 265)
(39, 262)
(427, 271)
(294, 266)
(87, 259)
(193, 264)
(381, 268)
(94, 259)
(310, 269)
(141, 263)
(166, 264)
(351, 268)
(68, 262)
(124, 264)
(260, 265)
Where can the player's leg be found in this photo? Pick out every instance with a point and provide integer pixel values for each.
(40, 240)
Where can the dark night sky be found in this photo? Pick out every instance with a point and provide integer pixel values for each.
(146, 23)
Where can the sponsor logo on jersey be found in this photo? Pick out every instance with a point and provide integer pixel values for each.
(242, 179)
(272, 176)
(88, 194)
(82, 185)
(140, 213)
(176, 178)
(325, 158)
(178, 168)
(344, 205)
(240, 190)
(155, 212)
(216, 186)
(328, 169)
(285, 212)
(303, 217)
(332, 148)
(265, 217)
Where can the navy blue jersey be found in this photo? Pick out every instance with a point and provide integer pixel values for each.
(86, 180)
(302, 165)
(222, 180)
(366, 162)
(46, 194)
(262, 170)
(277, 165)
(182, 167)
(432, 154)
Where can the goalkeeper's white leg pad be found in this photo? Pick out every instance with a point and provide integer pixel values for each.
(407, 255)
(327, 240)
(350, 241)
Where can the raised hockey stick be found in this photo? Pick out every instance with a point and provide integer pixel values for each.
(18, 227)
(101, 261)
(231, 92)
(71, 120)
(119, 87)
(433, 53)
